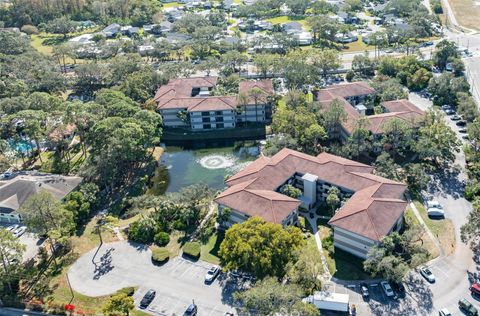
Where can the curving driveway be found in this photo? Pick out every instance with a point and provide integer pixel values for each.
(178, 282)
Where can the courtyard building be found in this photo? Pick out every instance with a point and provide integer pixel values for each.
(372, 206)
(357, 99)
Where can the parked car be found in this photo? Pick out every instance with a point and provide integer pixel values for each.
(427, 274)
(475, 288)
(364, 290)
(467, 307)
(455, 117)
(13, 227)
(450, 112)
(461, 123)
(229, 314)
(465, 137)
(6, 175)
(435, 213)
(462, 130)
(387, 289)
(446, 107)
(191, 310)
(444, 312)
(434, 204)
(212, 274)
(20, 231)
(147, 298)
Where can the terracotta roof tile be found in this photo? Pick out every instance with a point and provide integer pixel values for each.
(363, 213)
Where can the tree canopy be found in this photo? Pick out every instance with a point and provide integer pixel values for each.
(260, 247)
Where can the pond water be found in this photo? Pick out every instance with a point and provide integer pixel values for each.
(182, 167)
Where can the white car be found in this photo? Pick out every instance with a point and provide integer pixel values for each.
(387, 289)
(13, 228)
(427, 274)
(435, 212)
(19, 231)
(444, 312)
(434, 204)
(212, 274)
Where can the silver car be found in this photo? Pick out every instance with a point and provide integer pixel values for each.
(212, 274)
(427, 274)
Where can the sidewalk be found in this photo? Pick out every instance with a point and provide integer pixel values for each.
(313, 223)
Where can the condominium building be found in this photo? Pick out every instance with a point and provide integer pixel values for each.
(373, 206)
(189, 103)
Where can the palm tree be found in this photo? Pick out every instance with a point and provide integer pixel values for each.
(256, 94)
(242, 101)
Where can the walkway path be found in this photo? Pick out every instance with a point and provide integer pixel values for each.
(313, 223)
(211, 211)
(425, 227)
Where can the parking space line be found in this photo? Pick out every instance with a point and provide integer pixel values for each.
(186, 270)
(177, 267)
(213, 310)
(441, 270)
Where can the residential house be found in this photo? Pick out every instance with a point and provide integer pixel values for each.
(188, 103)
(111, 30)
(15, 191)
(373, 208)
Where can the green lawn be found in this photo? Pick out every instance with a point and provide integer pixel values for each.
(443, 229)
(285, 18)
(358, 46)
(209, 250)
(172, 5)
(341, 264)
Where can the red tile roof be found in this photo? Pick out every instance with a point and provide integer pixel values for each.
(400, 109)
(345, 90)
(373, 194)
(265, 85)
(201, 104)
(182, 88)
(177, 94)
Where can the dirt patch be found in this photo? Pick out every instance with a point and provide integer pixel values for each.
(466, 12)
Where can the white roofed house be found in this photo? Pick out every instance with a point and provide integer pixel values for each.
(15, 191)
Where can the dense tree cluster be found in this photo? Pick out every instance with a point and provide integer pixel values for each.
(396, 254)
(174, 211)
(260, 248)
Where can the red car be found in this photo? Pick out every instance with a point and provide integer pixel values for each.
(475, 288)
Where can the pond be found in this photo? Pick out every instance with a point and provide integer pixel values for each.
(181, 167)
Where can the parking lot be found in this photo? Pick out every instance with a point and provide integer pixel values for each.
(177, 282)
(31, 242)
(185, 271)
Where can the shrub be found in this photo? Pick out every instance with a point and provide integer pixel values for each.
(160, 255)
(161, 239)
(141, 231)
(301, 223)
(29, 29)
(126, 290)
(192, 249)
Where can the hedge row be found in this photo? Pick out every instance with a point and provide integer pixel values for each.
(160, 255)
(192, 249)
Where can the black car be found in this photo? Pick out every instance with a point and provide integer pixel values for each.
(191, 310)
(364, 290)
(147, 298)
(399, 289)
(461, 123)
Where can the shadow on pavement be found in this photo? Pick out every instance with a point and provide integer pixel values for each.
(447, 182)
(105, 264)
(417, 301)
